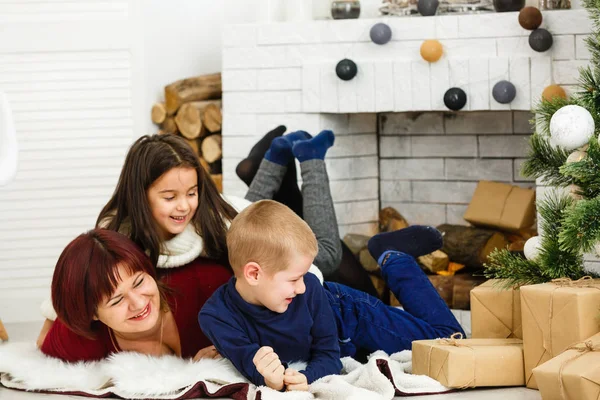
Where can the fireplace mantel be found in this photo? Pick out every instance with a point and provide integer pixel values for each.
(284, 73)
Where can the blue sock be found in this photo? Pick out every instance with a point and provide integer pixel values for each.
(416, 240)
(314, 148)
(280, 151)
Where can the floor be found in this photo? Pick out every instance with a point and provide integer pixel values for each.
(28, 331)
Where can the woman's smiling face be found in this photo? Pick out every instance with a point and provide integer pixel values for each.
(134, 306)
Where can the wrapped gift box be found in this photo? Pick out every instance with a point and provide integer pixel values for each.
(462, 363)
(554, 316)
(503, 206)
(573, 374)
(495, 312)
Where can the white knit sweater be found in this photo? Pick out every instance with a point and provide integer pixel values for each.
(181, 250)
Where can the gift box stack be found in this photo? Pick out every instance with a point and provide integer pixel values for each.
(544, 336)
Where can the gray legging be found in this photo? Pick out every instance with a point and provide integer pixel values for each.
(317, 205)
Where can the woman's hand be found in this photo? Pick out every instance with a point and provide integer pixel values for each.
(207, 352)
(42, 336)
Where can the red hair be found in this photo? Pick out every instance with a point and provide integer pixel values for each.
(87, 272)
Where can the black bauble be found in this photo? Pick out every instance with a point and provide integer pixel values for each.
(455, 98)
(540, 40)
(346, 69)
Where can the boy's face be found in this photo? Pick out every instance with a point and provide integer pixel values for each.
(277, 291)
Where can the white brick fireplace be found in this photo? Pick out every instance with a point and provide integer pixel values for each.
(396, 143)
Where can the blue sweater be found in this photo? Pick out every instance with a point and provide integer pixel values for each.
(306, 331)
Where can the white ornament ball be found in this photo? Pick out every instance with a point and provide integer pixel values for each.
(571, 127)
(532, 248)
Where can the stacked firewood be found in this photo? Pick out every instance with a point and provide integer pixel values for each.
(192, 109)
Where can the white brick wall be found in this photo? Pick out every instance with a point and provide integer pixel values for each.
(438, 171)
(397, 144)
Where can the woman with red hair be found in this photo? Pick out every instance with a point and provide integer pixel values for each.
(109, 298)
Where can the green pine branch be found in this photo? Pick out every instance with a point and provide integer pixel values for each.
(581, 226)
(544, 161)
(513, 269)
(588, 95)
(557, 261)
(552, 262)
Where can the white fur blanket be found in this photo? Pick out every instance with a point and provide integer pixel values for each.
(137, 376)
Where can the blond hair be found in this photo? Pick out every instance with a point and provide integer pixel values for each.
(267, 233)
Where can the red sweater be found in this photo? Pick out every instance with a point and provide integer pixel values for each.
(191, 284)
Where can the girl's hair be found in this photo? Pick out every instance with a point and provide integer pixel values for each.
(147, 160)
(87, 273)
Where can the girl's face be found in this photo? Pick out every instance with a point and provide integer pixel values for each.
(134, 306)
(173, 200)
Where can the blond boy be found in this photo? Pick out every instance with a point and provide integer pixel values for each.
(273, 311)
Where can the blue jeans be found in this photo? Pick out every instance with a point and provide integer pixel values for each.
(364, 322)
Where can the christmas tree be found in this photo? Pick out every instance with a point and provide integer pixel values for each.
(565, 153)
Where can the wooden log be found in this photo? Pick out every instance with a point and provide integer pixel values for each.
(3, 333)
(212, 148)
(205, 87)
(434, 262)
(470, 246)
(367, 261)
(216, 168)
(158, 113)
(205, 165)
(461, 291)
(391, 220)
(356, 242)
(444, 286)
(188, 121)
(212, 118)
(169, 126)
(194, 145)
(218, 180)
(379, 284)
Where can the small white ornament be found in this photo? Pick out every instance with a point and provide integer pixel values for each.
(532, 248)
(571, 127)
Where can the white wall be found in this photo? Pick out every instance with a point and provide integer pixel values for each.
(182, 38)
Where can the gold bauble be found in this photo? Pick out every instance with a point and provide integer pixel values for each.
(431, 50)
(576, 156)
(553, 91)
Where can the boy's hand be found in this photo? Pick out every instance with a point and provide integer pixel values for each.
(295, 380)
(207, 352)
(268, 365)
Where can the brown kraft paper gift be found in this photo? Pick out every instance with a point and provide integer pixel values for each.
(556, 315)
(503, 206)
(462, 363)
(573, 374)
(495, 312)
